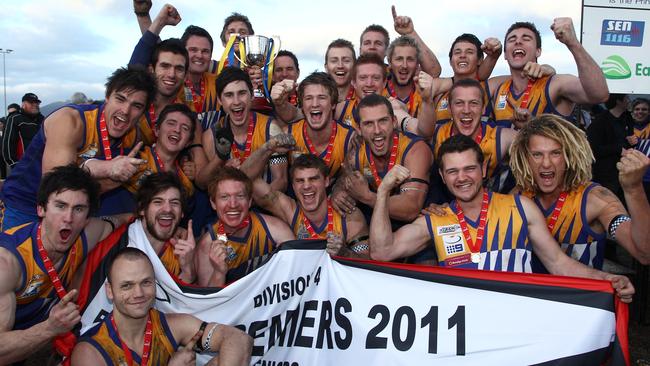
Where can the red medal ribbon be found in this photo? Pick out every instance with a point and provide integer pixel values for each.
(221, 230)
(350, 94)
(106, 144)
(391, 161)
(49, 267)
(393, 93)
(197, 100)
(526, 96)
(475, 247)
(148, 335)
(152, 119)
(249, 141)
(330, 222)
(330, 144)
(556, 212)
(161, 164)
(479, 136)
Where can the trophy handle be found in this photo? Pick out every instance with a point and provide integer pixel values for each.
(274, 40)
(239, 51)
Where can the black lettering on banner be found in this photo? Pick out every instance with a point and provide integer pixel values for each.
(278, 332)
(458, 319)
(372, 340)
(342, 305)
(406, 344)
(253, 331)
(324, 325)
(431, 320)
(306, 321)
(317, 276)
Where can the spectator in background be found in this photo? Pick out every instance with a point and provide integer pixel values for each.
(12, 109)
(20, 128)
(607, 137)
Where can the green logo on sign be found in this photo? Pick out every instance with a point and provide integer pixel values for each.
(615, 67)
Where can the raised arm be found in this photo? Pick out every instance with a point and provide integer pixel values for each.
(590, 86)
(492, 49)
(276, 202)
(141, 9)
(407, 240)
(428, 60)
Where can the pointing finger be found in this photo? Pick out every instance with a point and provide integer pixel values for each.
(135, 150)
(69, 297)
(392, 8)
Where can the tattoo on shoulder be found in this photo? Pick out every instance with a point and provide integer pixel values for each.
(604, 193)
(271, 197)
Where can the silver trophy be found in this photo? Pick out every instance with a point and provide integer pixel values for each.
(260, 51)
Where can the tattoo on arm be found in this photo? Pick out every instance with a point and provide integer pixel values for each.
(271, 197)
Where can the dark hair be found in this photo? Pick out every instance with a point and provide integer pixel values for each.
(319, 78)
(527, 25)
(375, 28)
(154, 184)
(128, 253)
(193, 30)
(374, 100)
(172, 45)
(469, 38)
(230, 173)
(467, 83)
(340, 43)
(135, 78)
(181, 108)
(369, 59)
(458, 144)
(229, 75)
(287, 53)
(308, 161)
(68, 178)
(613, 98)
(638, 101)
(235, 17)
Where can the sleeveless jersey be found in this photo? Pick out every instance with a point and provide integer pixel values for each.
(412, 105)
(539, 101)
(209, 111)
(341, 144)
(350, 114)
(153, 166)
(246, 253)
(490, 143)
(20, 189)
(404, 144)
(642, 131)
(36, 294)
(505, 245)
(105, 339)
(443, 112)
(572, 230)
(298, 225)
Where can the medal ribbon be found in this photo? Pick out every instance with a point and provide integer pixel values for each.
(391, 161)
(330, 144)
(411, 98)
(197, 100)
(526, 96)
(350, 94)
(148, 335)
(475, 247)
(330, 222)
(106, 144)
(479, 136)
(247, 146)
(159, 161)
(49, 267)
(556, 212)
(221, 230)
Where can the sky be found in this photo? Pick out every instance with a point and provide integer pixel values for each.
(65, 46)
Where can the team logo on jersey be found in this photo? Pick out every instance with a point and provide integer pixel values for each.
(448, 229)
(503, 100)
(348, 120)
(453, 244)
(33, 286)
(147, 172)
(443, 104)
(90, 153)
(302, 233)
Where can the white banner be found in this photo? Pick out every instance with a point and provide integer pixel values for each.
(303, 308)
(614, 33)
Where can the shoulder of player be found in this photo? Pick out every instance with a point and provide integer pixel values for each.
(10, 273)
(600, 199)
(66, 116)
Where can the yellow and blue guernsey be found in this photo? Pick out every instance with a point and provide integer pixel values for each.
(412, 106)
(490, 143)
(170, 260)
(350, 114)
(298, 225)
(20, 188)
(36, 295)
(106, 340)
(642, 130)
(341, 144)
(209, 112)
(153, 166)
(573, 232)
(443, 112)
(505, 246)
(361, 163)
(246, 253)
(539, 101)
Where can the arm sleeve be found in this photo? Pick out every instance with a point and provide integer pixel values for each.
(144, 49)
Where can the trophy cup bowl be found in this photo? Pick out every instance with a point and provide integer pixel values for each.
(256, 51)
